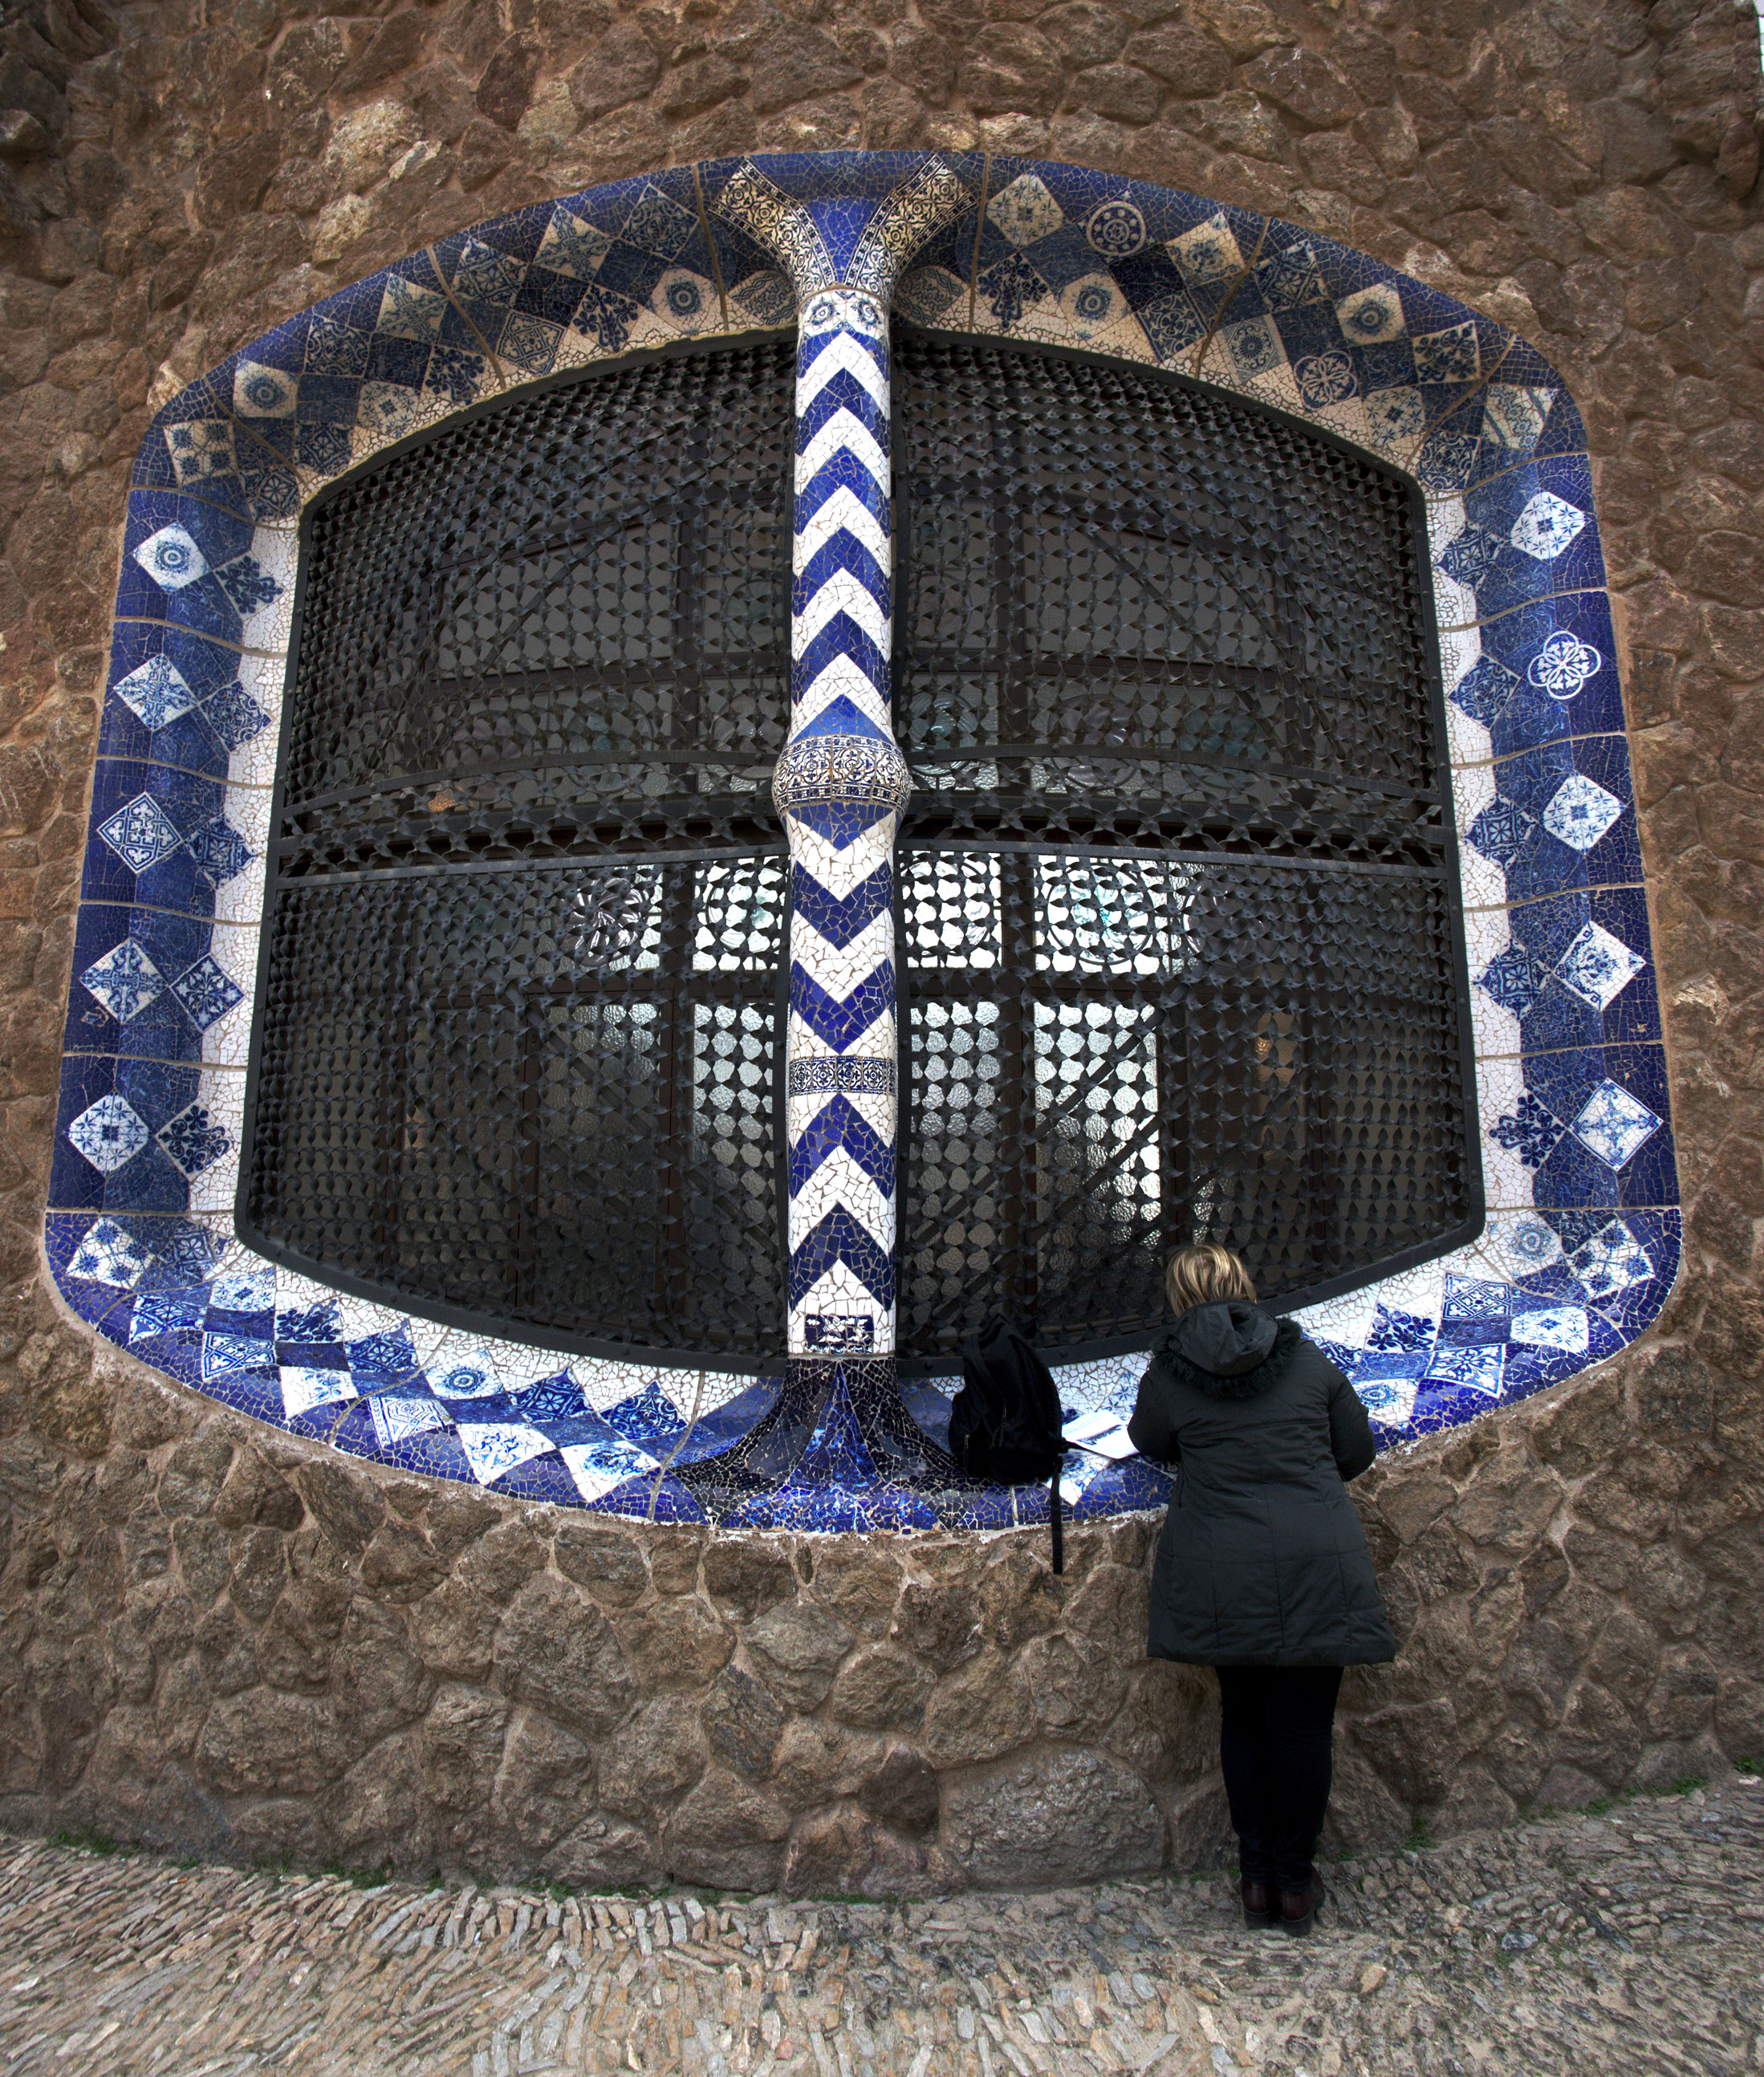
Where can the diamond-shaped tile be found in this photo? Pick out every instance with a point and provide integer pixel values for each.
(193, 1141)
(1469, 559)
(1546, 526)
(1563, 1327)
(1479, 1368)
(1597, 967)
(1501, 830)
(107, 1255)
(1026, 211)
(1514, 978)
(1610, 1263)
(172, 559)
(207, 992)
(108, 1133)
(263, 393)
(140, 833)
(397, 1415)
(1615, 1125)
(1485, 688)
(156, 691)
(219, 852)
(1579, 812)
(125, 981)
(235, 716)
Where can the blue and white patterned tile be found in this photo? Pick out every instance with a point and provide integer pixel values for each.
(1070, 256)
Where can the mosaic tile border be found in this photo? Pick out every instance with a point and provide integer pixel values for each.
(1581, 1243)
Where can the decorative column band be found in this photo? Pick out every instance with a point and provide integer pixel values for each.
(841, 784)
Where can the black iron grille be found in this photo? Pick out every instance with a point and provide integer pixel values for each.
(1178, 954)
(515, 1055)
(1177, 942)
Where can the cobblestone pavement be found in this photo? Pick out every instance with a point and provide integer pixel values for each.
(1629, 1942)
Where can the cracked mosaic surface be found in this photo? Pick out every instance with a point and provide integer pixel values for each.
(1580, 1245)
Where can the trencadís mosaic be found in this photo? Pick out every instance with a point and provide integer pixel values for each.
(1580, 1244)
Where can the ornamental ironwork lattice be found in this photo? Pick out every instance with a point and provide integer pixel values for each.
(514, 1059)
(1177, 901)
(1174, 891)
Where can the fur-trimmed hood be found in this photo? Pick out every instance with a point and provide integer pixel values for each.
(1229, 1350)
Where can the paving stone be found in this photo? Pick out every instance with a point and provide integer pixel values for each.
(1627, 1940)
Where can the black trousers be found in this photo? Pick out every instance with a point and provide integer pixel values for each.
(1275, 1733)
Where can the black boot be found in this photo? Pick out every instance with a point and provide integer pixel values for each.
(1299, 1907)
(1261, 1906)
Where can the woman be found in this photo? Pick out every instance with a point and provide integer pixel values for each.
(1263, 1570)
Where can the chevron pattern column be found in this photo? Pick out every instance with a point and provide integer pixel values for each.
(841, 786)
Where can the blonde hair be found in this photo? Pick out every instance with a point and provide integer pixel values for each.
(1203, 1274)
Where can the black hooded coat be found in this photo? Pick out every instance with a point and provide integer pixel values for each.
(1263, 1561)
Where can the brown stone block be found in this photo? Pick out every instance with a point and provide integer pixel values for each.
(441, 97)
(455, 1516)
(546, 1780)
(1058, 1815)
(681, 1644)
(1598, 1735)
(501, 1561)
(382, 1685)
(797, 1647)
(1017, 1596)
(937, 1623)
(1190, 63)
(902, 1792)
(1681, 1702)
(266, 1743)
(455, 1632)
(346, 1503)
(879, 1688)
(744, 1576)
(231, 179)
(728, 1835)
(1667, 1591)
(975, 1713)
(1006, 69)
(395, 46)
(555, 1651)
(857, 1579)
(1167, 1729)
(1739, 1720)
(742, 1722)
(792, 62)
(700, 83)
(602, 1853)
(507, 86)
(459, 1747)
(658, 1753)
(1074, 1685)
(674, 1556)
(1413, 1746)
(399, 1565)
(377, 1816)
(605, 1560)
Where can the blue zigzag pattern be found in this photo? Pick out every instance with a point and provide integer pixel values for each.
(841, 1125)
(841, 936)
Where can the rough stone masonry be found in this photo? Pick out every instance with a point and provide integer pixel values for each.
(214, 1637)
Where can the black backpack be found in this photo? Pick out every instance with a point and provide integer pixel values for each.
(1005, 1422)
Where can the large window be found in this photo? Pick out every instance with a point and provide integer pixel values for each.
(515, 1058)
(1175, 896)
(1178, 903)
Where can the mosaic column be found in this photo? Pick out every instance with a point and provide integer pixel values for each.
(841, 786)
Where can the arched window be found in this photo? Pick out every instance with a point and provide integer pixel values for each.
(1176, 908)
(1178, 894)
(514, 1062)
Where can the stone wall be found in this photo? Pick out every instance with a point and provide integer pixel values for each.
(217, 1637)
